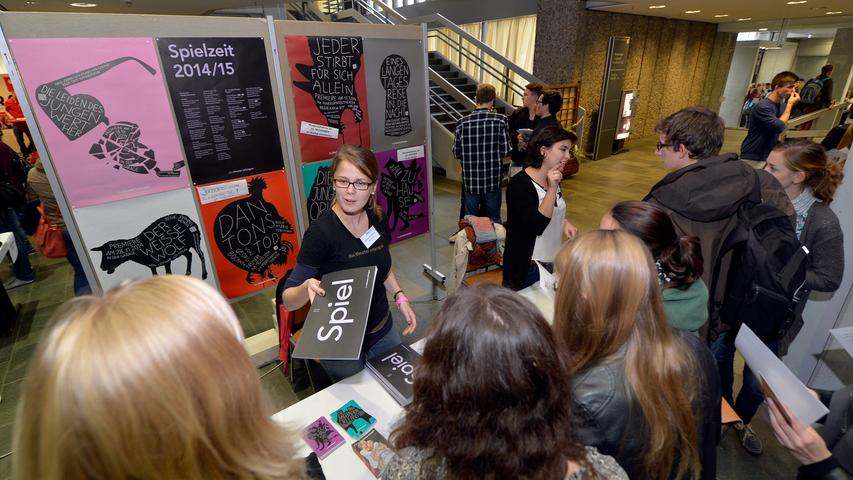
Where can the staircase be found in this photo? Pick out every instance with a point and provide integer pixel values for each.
(452, 90)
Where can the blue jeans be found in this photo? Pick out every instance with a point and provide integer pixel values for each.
(81, 284)
(749, 398)
(9, 223)
(341, 369)
(484, 204)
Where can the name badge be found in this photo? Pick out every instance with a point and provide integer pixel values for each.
(370, 237)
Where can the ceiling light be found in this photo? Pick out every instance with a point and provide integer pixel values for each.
(799, 2)
(762, 29)
(31, 3)
(720, 16)
(83, 5)
(744, 19)
(692, 11)
(657, 6)
(833, 13)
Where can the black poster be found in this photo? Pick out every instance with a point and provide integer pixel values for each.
(223, 101)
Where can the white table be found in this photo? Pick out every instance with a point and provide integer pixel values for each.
(8, 313)
(366, 391)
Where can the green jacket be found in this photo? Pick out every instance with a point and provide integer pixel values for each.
(686, 309)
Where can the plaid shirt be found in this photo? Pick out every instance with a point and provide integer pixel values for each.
(482, 139)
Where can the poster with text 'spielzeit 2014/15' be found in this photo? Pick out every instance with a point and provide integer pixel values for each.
(252, 231)
(329, 94)
(140, 237)
(403, 191)
(223, 101)
(104, 114)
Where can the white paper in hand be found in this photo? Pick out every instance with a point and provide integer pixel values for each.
(844, 337)
(781, 380)
(546, 278)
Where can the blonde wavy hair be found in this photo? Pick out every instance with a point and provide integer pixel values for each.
(609, 300)
(149, 381)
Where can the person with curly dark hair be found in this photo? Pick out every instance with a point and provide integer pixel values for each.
(492, 398)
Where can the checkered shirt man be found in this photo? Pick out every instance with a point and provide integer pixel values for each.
(482, 139)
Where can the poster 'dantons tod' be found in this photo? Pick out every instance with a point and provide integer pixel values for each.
(251, 226)
(329, 94)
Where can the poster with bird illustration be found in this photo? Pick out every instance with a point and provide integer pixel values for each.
(251, 227)
(329, 94)
(103, 111)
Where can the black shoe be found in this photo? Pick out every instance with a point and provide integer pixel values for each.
(748, 439)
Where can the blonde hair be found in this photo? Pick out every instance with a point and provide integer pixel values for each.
(150, 381)
(609, 299)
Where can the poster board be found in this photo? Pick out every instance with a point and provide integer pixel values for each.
(392, 107)
(115, 34)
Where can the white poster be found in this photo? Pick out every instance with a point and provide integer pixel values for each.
(144, 236)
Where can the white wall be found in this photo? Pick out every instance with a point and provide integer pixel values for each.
(740, 73)
(776, 60)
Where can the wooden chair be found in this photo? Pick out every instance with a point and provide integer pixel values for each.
(490, 276)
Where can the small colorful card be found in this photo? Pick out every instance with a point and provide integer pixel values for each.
(322, 437)
(375, 451)
(352, 418)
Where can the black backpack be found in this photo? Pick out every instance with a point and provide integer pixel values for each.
(810, 95)
(767, 271)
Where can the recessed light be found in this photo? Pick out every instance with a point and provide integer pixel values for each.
(83, 5)
(720, 16)
(833, 13)
(31, 3)
(762, 29)
(744, 19)
(656, 6)
(692, 11)
(799, 2)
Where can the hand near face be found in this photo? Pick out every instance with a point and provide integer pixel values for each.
(555, 176)
(794, 98)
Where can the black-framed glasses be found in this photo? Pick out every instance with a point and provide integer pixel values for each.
(344, 184)
(661, 146)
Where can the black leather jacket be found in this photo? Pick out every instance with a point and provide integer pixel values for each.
(606, 418)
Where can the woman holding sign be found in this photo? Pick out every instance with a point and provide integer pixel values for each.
(353, 233)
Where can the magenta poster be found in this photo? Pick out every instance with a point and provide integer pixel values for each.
(104, 113)
(403, 191)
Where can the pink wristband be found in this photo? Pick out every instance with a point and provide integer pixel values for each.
(401, 299)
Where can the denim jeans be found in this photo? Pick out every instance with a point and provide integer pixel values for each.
(341, 369)
(81, 284)
(484, 204)
(9, 223)
(749, 398)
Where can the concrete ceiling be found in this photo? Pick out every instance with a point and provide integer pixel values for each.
(709, 11)
(166, 7)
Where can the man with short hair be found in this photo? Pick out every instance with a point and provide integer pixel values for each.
(550, 103)
(702, 194)
(768, 119)
(482, 140)
(523, 118)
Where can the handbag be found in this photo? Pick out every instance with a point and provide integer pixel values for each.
(49, 237)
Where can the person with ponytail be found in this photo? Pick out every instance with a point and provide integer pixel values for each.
(810, 180)
(353, 233)
(643, 394)
(678, 261)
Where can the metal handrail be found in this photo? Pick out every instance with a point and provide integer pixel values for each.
(789, 131)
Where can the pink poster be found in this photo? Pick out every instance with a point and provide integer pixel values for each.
(404, 191)
(103, 111)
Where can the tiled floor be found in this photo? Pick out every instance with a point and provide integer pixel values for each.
(590, 193)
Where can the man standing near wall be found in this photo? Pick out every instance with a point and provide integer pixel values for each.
(769, 117)
(482, 140)
(702, 194)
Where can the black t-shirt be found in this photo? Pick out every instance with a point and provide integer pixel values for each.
(329, 247)
(519, 119)
(549, 121)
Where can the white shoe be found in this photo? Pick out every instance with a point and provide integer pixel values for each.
(15, 282)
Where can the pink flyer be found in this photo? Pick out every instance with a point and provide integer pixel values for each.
(103, 111)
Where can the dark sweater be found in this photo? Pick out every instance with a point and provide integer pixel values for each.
(524, 222)
(764, 130)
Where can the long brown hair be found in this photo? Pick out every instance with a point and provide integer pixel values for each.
(822, 174)
(365, 161)
(679, 257)
(150, 381)
(490, 391)
(609, 299)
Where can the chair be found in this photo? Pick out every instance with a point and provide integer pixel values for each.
(462, 268)
(289, 329)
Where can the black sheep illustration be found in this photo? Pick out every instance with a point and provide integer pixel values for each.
(248, 232)
(157, 245)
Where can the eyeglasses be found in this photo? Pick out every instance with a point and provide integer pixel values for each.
(660, 146)
(344, 184)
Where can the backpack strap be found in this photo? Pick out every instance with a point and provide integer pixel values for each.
(793, 266)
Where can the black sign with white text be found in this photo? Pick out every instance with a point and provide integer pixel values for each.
(223, 101)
